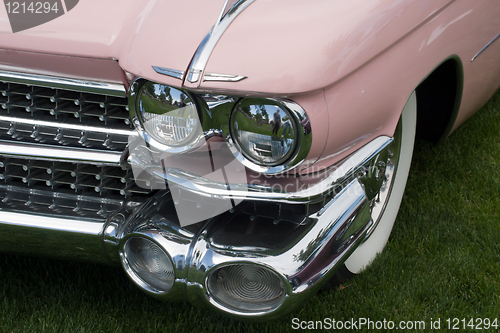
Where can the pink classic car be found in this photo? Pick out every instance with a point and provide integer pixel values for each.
(233, 154)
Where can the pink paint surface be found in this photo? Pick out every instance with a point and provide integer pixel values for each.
(139, 33)
(351, 65)
(105, 70)
(311, 45)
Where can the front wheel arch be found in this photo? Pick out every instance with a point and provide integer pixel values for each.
(439, 97)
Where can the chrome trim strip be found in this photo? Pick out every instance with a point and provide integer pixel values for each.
(35, 122)
(337, 176)
(95, 87)
(223, 77)
(484, 48)
(176, 74)
(204, 51)
(52, 223)
(62, 154)
(222, 12)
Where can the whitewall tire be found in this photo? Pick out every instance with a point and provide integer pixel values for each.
(384, 212)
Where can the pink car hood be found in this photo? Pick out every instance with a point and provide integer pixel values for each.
(139, 33)
(308, 46)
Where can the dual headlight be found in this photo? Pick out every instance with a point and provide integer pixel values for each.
(264, 131)
(168, 117)
(266, 135)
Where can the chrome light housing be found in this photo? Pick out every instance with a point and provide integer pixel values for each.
(269, 135)
(148, 265)
(168, 117)
(246, 288)
(266, 135)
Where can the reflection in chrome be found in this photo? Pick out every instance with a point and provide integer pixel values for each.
(95, 87)
(200, 59)
(264, 131)
(379, 177)
(283, 122)
(305, 258)
(170, 72)
(192, 119)
(484, 48)
(265, 147)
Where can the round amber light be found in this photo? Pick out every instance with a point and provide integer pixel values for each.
(247, 288)
(144, 259)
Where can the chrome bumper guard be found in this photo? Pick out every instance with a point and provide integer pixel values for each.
(304, 256)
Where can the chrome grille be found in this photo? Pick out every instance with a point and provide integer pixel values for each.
(72, 178)
(36, 114)
(47, 202)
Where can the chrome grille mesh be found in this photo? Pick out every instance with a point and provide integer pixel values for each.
(73, 178)
(45, 117)
(42, 115)
(48, 202)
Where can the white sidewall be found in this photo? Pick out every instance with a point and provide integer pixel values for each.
(367, 251)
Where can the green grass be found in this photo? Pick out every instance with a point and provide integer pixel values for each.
(442, 260)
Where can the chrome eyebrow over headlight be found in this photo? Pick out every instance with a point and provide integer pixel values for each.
(267, 135)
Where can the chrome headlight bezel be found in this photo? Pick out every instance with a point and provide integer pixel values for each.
(211, 125)
(299, 152)
(193, 141)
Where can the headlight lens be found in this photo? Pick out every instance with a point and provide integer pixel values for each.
(264, 131)
(168, 115)
(148, 264)
(246, 288)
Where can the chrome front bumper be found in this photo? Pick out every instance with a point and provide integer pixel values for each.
(51, 172)
(307, 256)
(304, 255)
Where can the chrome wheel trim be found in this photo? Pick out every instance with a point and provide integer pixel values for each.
(384, 213)
(379, 203)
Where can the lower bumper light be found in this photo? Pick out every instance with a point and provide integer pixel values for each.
(148, 265)
(246, 288)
